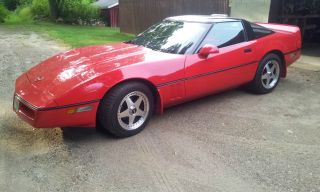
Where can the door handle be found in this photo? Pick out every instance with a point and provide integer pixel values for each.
(248, 50)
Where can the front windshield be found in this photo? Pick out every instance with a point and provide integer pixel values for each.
(175, 37)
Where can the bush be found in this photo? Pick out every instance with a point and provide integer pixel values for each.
(4, 12)
(20, 15)
(26, 13)
(40, 8)
(73, 11)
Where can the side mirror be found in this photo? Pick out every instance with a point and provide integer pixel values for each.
(207, 50)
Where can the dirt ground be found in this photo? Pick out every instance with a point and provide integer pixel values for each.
(231, 142)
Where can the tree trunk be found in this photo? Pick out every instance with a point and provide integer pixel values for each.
(55, 8)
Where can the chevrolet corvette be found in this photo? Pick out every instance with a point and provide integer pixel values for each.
(118, 87)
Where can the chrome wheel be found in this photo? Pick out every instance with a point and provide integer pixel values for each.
(270, 74)
(133, 110)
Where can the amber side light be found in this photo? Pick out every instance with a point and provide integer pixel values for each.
(79, 110)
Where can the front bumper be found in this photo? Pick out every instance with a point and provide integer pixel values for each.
(56, 116)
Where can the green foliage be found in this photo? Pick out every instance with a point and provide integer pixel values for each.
(25, 12)
(67, 11)
(21, 15)
(40, 8)
(72, 11)
(3, 13)
(14, 4)
(11, 4)
(25, 2)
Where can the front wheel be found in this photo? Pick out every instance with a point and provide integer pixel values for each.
(126, 110)
(268, 74)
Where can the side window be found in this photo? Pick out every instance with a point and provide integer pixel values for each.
(259, 31)
(225, 34)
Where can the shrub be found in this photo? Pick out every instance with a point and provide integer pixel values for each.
(13, 18)
(3, 13)
(40, 8)
(25, 12)
(20, 15)
(73, 11)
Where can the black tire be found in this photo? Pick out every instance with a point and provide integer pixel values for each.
(109, 107)
(258, 85)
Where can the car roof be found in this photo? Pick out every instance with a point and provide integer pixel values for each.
(204, 18)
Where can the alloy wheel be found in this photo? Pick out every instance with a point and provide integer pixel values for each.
(133, 110)
(270, 74)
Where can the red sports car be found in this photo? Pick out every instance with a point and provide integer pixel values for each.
(120, 86)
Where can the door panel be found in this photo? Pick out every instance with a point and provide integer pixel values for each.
(232, 66)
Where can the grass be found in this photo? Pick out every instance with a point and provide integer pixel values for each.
(77, 36)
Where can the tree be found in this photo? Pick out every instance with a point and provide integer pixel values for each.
(10, 4)
(55, 8)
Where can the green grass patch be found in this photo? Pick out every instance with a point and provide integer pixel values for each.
(77, 36)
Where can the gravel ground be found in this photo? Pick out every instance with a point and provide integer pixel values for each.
(233, 141)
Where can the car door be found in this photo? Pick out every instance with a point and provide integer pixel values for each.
(235, 64)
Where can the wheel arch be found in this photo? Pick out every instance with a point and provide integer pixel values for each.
(152, 87)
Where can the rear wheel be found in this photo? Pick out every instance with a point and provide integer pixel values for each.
(268, 74)
(126, 110)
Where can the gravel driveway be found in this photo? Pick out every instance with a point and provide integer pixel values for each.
(231, 142)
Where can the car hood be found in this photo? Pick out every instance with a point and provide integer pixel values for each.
(67, 70)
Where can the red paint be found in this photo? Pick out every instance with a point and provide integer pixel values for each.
(50, 89)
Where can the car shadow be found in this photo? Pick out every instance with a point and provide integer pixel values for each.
(78, 134)
(71, 134)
